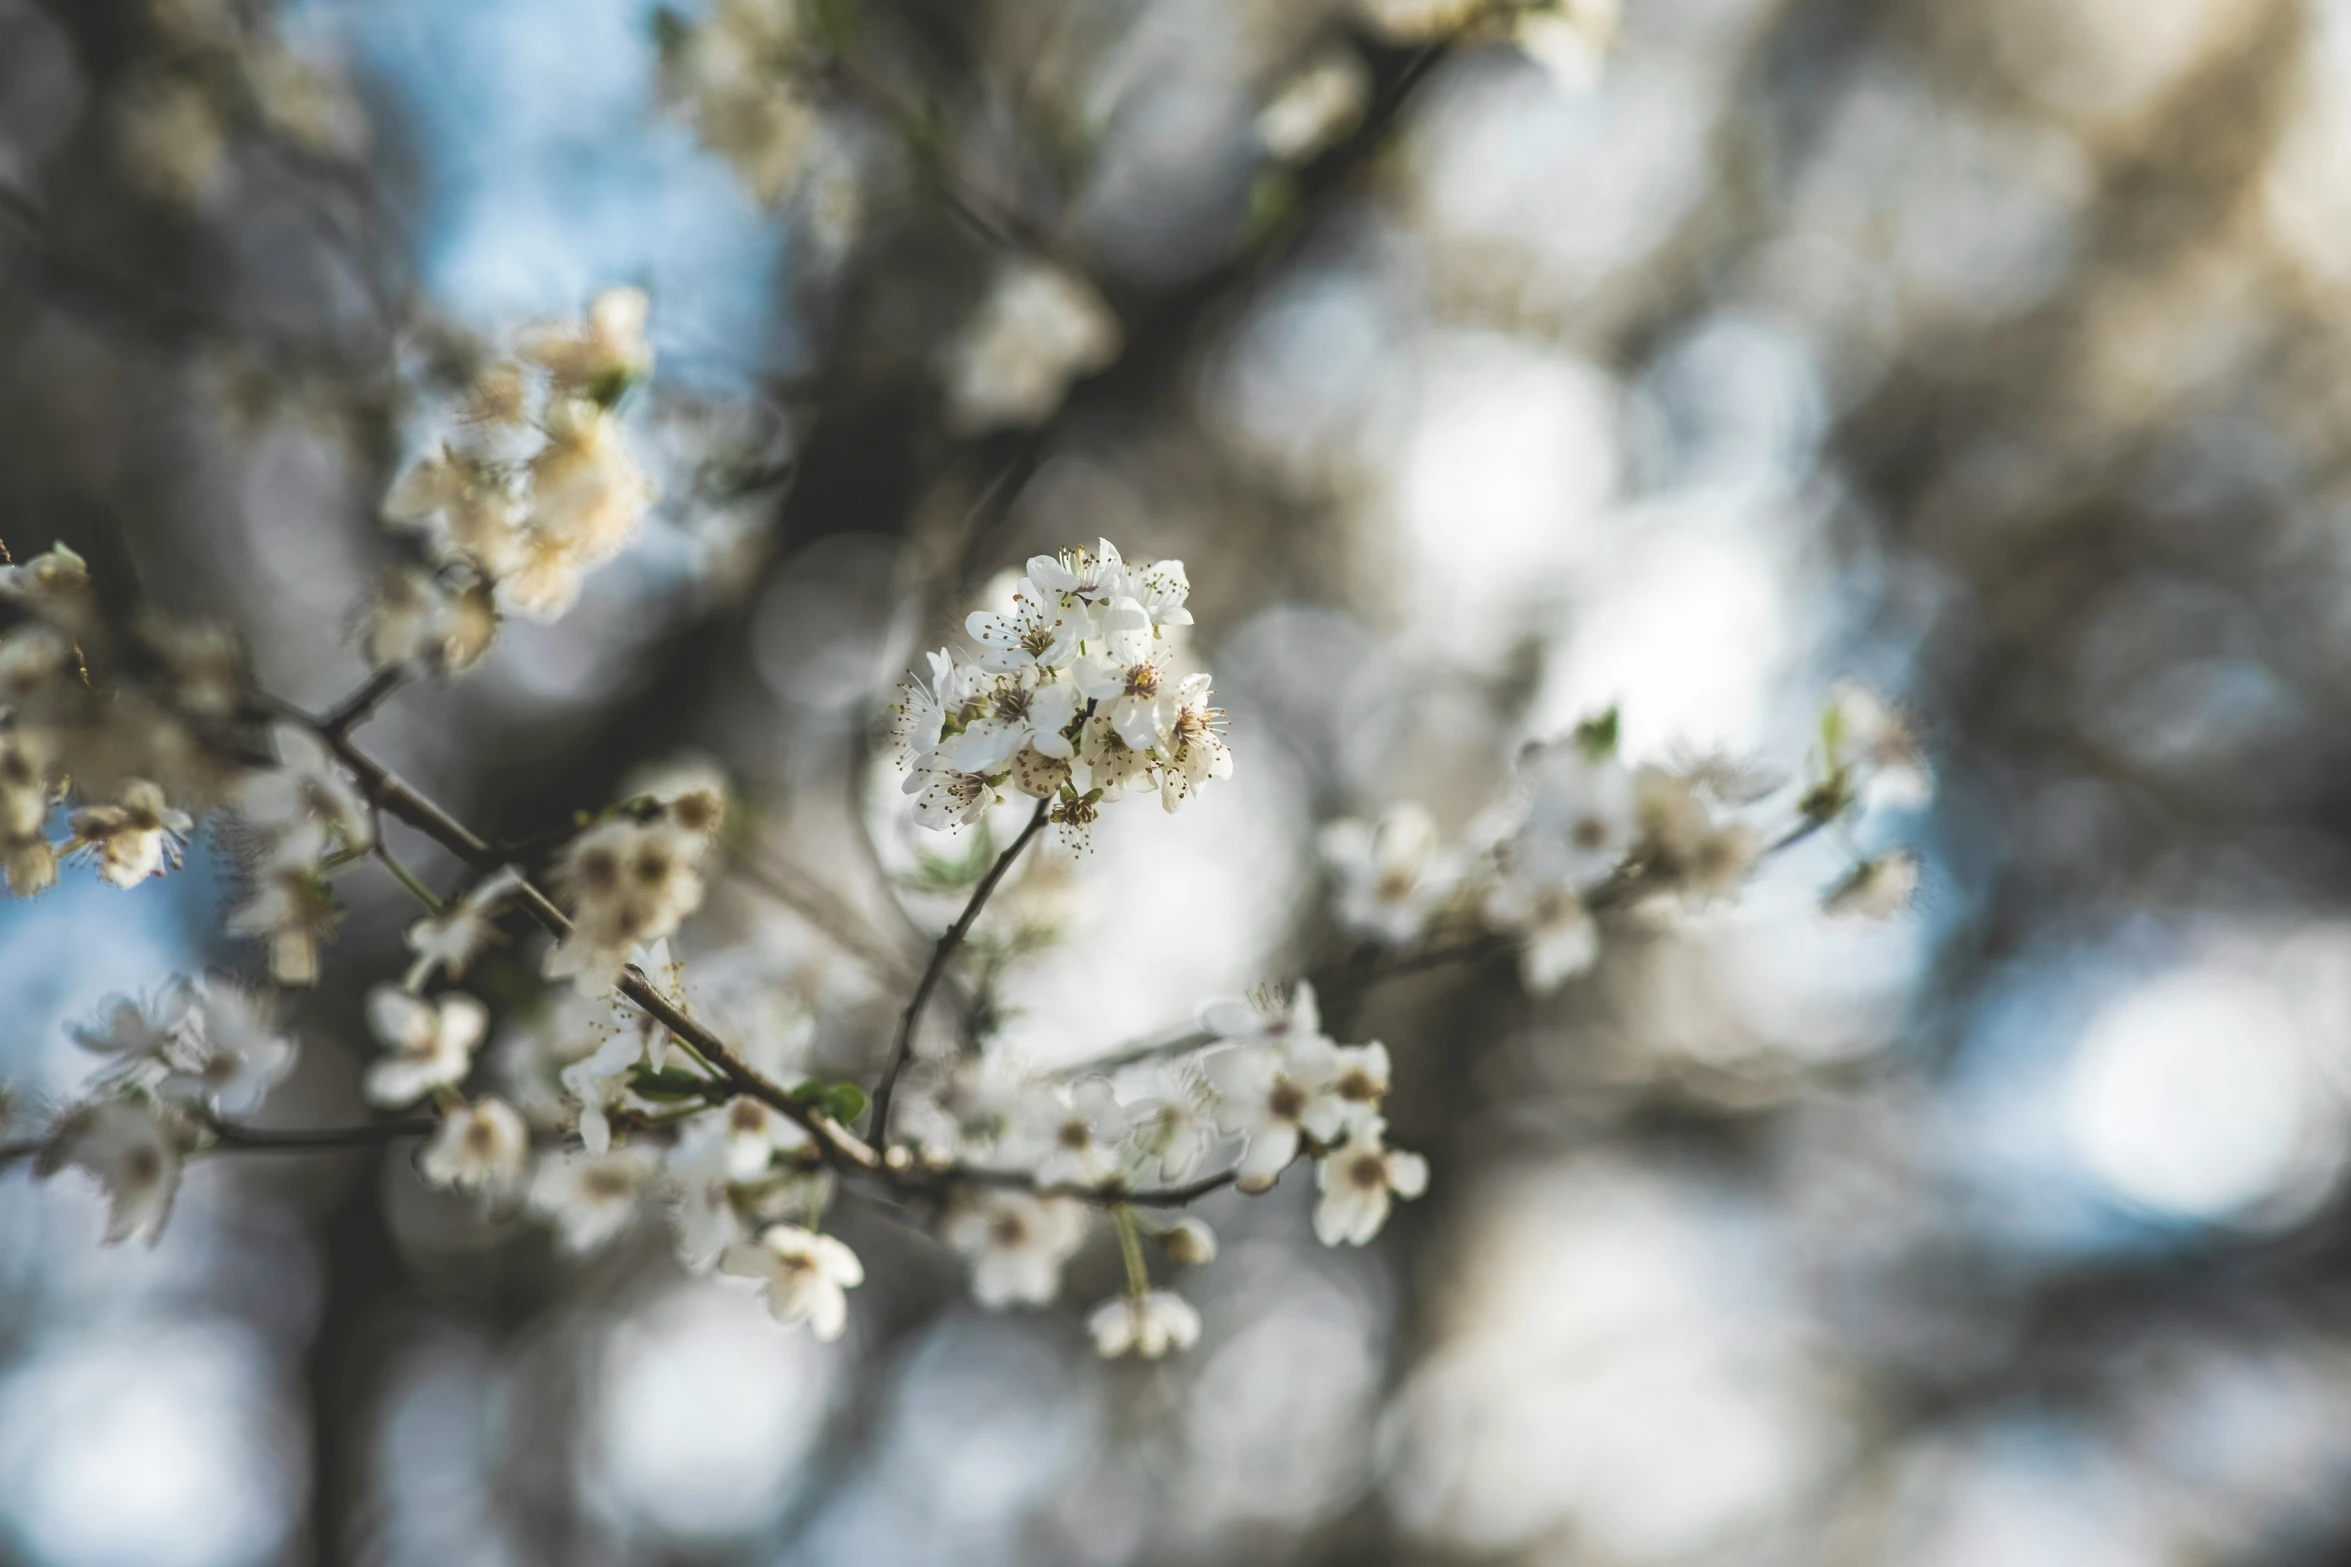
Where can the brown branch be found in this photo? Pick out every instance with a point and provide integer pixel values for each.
(903, 1050)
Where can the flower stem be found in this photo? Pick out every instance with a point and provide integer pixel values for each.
(903, 1050)
(405, 877)
(1130, 1247)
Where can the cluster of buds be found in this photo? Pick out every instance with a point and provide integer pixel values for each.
(533, 488)
(1073, 697)
(1584, 828)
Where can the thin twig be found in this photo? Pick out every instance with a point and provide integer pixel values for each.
(258, 1139)
(903, 1050)
(361, 704)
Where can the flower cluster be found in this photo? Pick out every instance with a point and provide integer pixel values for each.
(1073, 697)
(214, 71)
(1585, 829)
(169, 1065)
(1271, 1087)
(735, 76)
(205, 1045)
(630, 880)
(133, 722)
(532, 488)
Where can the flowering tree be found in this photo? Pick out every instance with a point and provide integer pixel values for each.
(1074, 694)
(1031, 365)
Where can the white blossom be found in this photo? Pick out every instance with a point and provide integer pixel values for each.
(1125, 674)
(1877, 888)
(1036, 634)
(479, 1147)
(628, 883)
(1188, 1241)
(1016, 714)
(1582, 817)
(754, 1134)
(597, 1081)
(292, 910)
(448, 942)
(304, 808)
(592, 357)
(134, 1155)
(925, 706)
(590, 1198)
(135, 1033)
(1148, 1325)
(1086, 581)
(946, 796)
(133, 837)
(228, 1053)
(1390, 875)
(1682, 844)
(803, 1274)
(1039, 328)
(1169, 1127)
(1075, 1133)
(1192, 747)
(1871, 746)
(1017, 1243)
(1558, 938)
(1272, 1096)
(431, 1043)
(1266, 1015)
(700, 1172)
(1358, 1179)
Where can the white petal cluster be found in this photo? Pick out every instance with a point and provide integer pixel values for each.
(448, 942)
(732, 76)
(135, 835)
(133, 1151)
(1281, 1083)
(1017, 1243)
(207, 1044)
(1038, 329)
(1072, 696)
(481, 1147)
(590, 1198)
(1147, 1325)
(629, 882)
(429, 1043)
(1389, 877)
(129, 758)
(534, 488)
(302, 817)
(802, 1274)
(1358, 1180)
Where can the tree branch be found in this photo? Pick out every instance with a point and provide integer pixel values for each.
(903, 1050)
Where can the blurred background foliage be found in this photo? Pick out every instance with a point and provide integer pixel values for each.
(1486, 370)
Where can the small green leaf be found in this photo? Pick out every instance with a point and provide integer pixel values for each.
(1596, 736)
(844, 1102)
(672, 1083)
